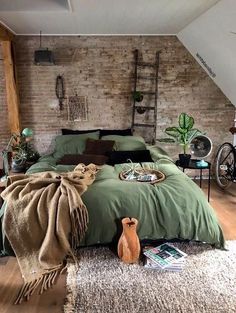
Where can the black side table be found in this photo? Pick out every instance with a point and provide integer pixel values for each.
(193, 165)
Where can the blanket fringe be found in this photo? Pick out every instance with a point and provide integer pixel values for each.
(46, 281)
(35, 195)
(79, 222)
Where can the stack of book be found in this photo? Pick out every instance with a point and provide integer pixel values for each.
(165, 258)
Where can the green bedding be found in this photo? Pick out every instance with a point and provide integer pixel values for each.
(175, 208)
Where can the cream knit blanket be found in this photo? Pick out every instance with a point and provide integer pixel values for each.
(45, 220)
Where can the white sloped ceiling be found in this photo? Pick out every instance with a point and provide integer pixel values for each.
(211, 39)
(111, 17)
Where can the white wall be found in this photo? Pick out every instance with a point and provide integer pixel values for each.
(210, 38)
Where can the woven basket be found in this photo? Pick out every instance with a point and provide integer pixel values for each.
(160, 176)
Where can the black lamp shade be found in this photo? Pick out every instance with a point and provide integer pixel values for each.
(43, 57)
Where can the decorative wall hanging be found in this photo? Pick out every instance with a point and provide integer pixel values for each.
(77, 108)
(60, 91)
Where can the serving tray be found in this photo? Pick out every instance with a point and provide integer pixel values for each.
(143, 176)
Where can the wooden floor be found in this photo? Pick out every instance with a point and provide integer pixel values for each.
(224, 203)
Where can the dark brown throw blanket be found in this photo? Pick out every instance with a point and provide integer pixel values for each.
(45, 220)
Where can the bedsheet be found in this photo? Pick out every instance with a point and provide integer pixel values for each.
(175, 208)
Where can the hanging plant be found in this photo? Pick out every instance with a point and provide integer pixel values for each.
(138, 96)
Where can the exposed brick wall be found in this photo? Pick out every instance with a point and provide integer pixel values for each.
(102, 69)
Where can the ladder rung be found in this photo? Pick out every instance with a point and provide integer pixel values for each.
(144, 125)
(146, 64)
(144, 107)
(148, 92)
(146, 77)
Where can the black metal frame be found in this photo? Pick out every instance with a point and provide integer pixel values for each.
(193, 165)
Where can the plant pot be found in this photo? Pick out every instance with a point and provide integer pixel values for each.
(141, 110)
(18, 167)
(184, 159)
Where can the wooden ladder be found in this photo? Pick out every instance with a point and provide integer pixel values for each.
(140, 109)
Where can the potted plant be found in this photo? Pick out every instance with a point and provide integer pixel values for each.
(182, 134)
(19, 159)
(138, 96)
(23, 155)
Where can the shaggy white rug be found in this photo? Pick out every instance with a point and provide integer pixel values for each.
(103, 283)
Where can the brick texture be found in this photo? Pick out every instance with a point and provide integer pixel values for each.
(102, 69)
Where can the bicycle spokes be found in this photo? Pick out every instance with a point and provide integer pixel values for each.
(225, 165)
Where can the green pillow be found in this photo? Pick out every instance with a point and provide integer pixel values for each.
(127, 143)
(72, 144)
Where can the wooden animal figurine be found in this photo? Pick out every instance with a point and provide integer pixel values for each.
(129, 246)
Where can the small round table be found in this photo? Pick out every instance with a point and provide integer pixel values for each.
(193, 165)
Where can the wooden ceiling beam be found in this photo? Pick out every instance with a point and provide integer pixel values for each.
(6, 42)
(11, 87)
(5, 34)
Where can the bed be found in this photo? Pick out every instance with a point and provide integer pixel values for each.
(175, 208)
(44, 231)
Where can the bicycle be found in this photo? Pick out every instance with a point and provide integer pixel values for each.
(225, 169)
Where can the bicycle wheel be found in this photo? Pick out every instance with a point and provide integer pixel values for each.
(225, 163)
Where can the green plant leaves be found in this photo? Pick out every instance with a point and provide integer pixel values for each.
(182, 134)
(186, 121)
(137, 96)
(24, 151)
(167, 140)
(172, 131)
(192, 133)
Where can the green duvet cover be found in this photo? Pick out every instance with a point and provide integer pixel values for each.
(173, 208)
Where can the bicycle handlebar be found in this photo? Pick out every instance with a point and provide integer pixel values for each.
(233, 130)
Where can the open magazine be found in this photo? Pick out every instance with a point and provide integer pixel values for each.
(165, 256)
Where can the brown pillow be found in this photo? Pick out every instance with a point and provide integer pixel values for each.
(74, 159)
(98, 147)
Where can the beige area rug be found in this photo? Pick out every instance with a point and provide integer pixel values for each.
(102, 283)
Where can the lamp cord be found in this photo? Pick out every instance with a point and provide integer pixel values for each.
(40, 39)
